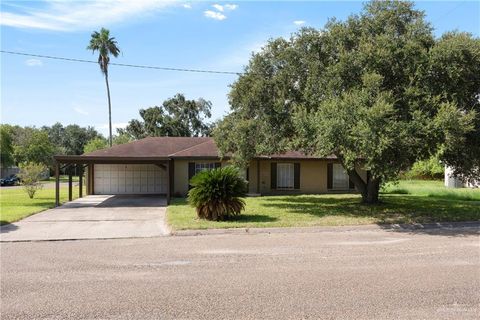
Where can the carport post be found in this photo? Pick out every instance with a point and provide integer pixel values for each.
(258, 176)
(168, 182)
(57, 184)
(80, 182)
(70, 185)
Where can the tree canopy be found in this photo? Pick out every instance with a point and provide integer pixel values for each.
(95, 144)
(70, 139)
(37, 149)
(364, 90)
(176, 117)
(452, 75)
(6, 147)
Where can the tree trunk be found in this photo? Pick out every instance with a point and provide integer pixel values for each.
(109, 110)
(369, 190)
(373, 188)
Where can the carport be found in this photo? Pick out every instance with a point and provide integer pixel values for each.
(117, 175)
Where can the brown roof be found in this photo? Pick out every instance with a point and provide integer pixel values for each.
(154, 147)
(294, 155)
(206, 148)
(176, 147)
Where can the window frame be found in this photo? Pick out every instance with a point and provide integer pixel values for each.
(202, 166)
(291, 179)
(345, 176)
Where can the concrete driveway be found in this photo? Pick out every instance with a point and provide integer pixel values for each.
(93, 217)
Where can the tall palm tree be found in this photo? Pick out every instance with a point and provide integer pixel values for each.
(105, 45)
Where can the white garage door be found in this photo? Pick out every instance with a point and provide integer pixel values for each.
(129, 179)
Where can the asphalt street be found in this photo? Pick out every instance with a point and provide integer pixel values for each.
(363, 274)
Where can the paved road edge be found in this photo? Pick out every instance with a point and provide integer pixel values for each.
(397, 227)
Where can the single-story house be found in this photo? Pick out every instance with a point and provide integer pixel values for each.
(164, 165)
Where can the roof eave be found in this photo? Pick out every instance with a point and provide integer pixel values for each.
(107, 159)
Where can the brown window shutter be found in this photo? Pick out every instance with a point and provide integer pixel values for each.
(218, 165)
(329, 175)
(273, 175)
(191, 172)
(296, 175)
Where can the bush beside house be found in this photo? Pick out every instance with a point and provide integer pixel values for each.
(217, 194)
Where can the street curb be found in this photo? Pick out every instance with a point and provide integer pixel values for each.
(367, 227)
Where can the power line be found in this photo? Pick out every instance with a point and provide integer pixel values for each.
(118, 64)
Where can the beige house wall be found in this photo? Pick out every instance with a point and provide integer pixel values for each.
(313, 176)
(180, 169)
(252, 177)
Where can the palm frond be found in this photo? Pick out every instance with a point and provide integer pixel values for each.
(105, 45)
(217, 194)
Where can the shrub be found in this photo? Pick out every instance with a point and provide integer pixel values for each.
(427, 169)
(217, 194)
(30, 175)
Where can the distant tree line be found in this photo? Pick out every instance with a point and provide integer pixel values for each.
(38, 145)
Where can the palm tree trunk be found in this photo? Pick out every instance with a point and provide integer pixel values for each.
(109, 110)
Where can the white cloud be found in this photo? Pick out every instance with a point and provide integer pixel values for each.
(299, 22)
(62, 15)
(230, 7)
(218, 7)
(214, 15)
(80, 111)
(34, 63)
(187, 6)
(227, 7)
(218, 15)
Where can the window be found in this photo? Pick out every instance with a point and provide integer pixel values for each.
(203, 166)
(340, 177)
(244, 173)
(285, 176)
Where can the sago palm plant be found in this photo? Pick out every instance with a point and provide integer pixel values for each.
(217, 194)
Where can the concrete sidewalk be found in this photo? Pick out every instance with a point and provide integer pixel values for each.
(93, 217)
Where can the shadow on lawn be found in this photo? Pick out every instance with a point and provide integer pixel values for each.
(393, 209)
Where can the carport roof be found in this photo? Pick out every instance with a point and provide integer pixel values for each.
(158, 147)
(166, 148)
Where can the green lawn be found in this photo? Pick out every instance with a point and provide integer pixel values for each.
(15, 203)
(405, 202)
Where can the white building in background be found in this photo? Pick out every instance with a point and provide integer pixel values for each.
(453, 182)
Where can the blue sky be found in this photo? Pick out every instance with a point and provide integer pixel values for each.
(198, 35)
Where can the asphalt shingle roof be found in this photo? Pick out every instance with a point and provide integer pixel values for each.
(177, 147)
